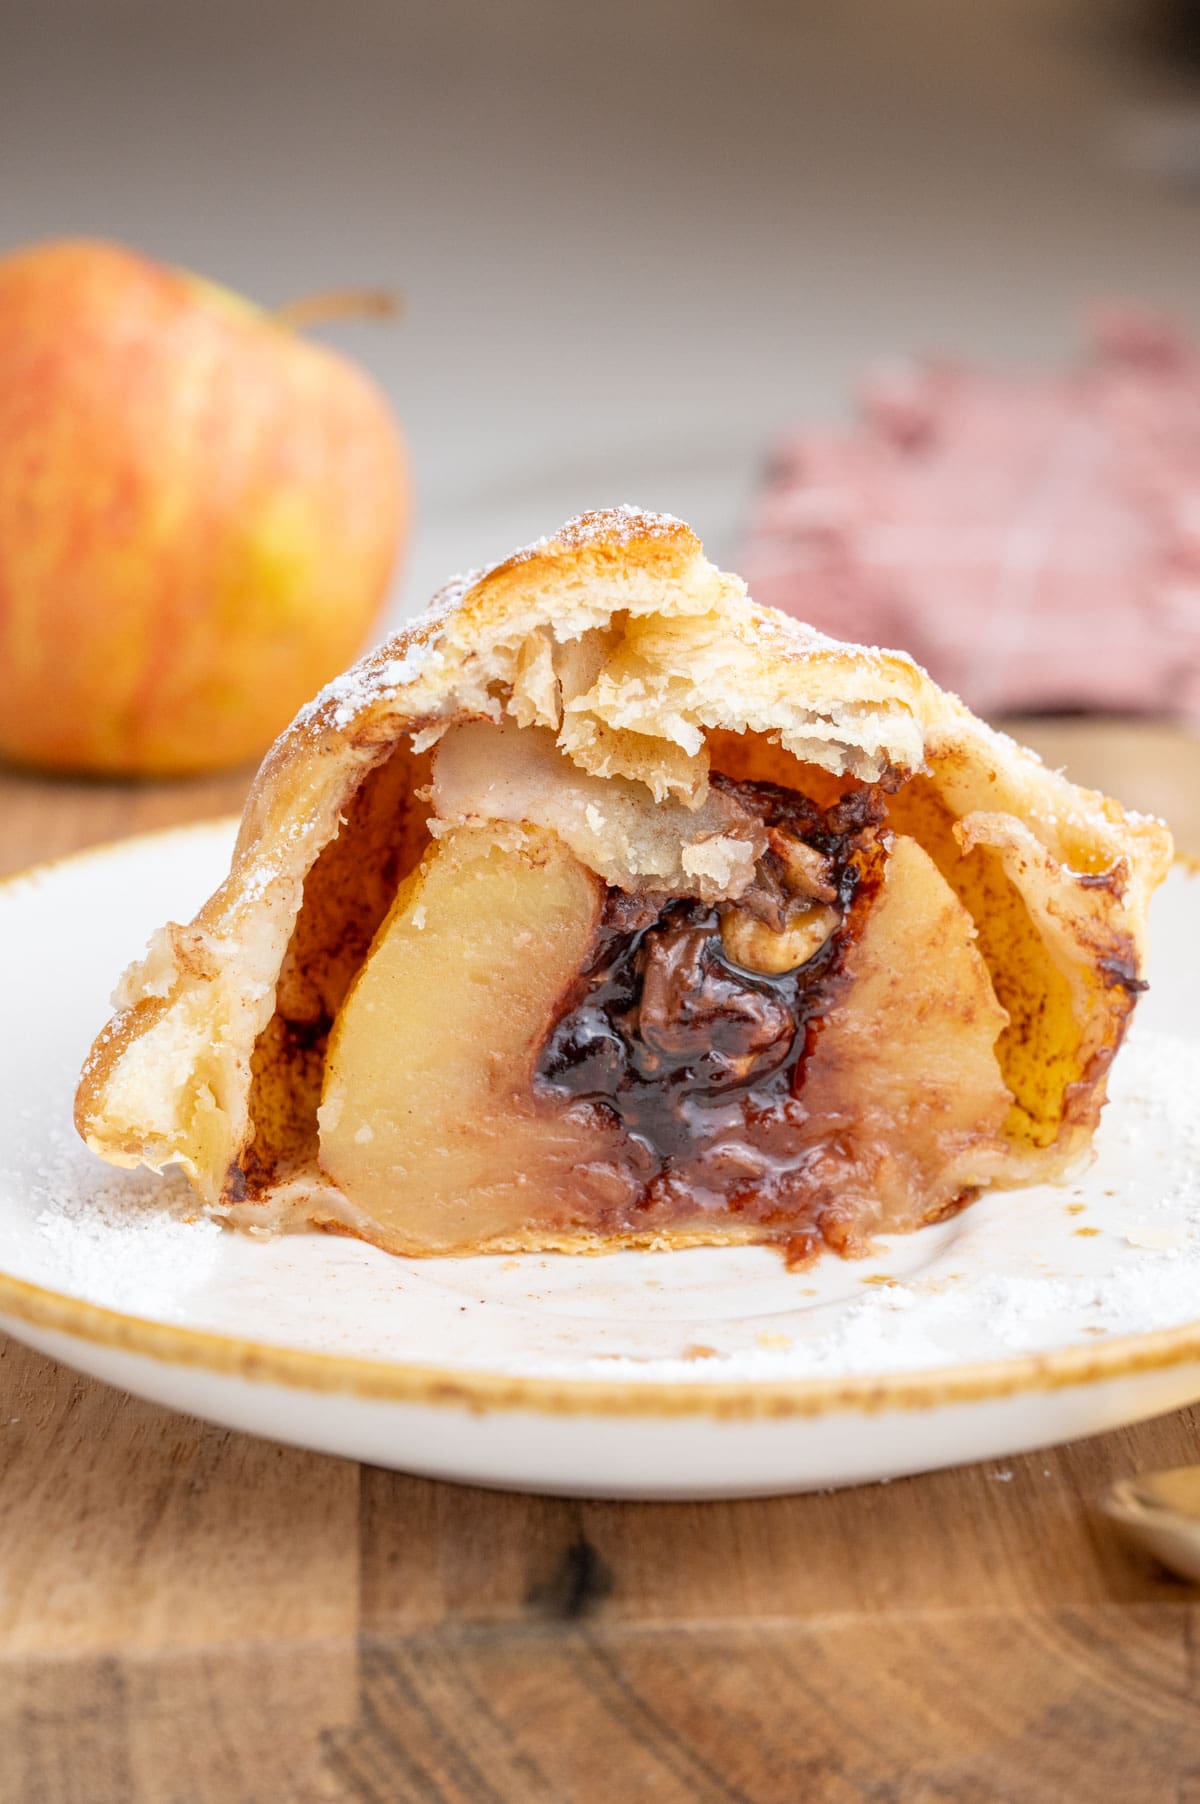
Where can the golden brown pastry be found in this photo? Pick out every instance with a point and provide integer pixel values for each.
(601, 907)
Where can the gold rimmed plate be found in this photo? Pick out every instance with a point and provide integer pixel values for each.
(1034, 1316)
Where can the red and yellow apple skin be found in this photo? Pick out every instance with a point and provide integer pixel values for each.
(200, 513)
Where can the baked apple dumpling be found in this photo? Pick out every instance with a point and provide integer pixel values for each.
(601, 907)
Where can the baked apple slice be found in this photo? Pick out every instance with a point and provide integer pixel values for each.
(428, 1121)
(903, 1082)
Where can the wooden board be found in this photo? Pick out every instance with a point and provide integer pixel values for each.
(188, 1616)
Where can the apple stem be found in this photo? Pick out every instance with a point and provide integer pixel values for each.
(336, 303)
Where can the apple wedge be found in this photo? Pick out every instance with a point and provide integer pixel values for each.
(903, 1072)
(428, 1121)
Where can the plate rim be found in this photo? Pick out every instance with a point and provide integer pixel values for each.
(480, 1390)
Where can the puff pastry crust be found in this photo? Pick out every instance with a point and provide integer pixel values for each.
(602, 907)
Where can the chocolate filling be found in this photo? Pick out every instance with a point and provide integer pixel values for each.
(699, 1059)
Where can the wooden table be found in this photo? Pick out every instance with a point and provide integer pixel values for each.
(188, 1616)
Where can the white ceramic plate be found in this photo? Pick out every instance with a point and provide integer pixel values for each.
(1034, 1316)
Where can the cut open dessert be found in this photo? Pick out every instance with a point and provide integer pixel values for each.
(601, 907)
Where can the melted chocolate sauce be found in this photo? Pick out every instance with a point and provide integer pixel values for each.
(699, 1059)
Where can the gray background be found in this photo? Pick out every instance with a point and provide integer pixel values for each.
(635, 238)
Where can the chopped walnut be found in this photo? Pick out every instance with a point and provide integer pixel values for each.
(756, 946)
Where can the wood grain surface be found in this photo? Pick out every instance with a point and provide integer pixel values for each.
(189, 1616)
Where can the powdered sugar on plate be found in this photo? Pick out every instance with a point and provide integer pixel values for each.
(131, 1241)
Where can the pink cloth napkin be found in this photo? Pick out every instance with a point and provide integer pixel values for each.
(1034, 541)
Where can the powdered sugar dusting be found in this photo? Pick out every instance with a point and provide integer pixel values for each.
(620, 525)
(617, 526)
(374, 680)
(134, 1249)
(131, 1241)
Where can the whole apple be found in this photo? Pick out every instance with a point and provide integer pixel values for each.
(200, 513)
